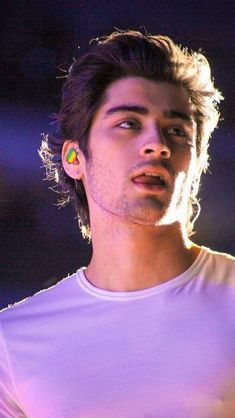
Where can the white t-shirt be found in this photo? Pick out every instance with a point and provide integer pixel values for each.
(76, 351)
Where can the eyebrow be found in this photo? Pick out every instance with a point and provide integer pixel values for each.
(128, 108)
(141, 110)
(175, 114)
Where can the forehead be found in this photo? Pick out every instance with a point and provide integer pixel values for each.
(141, 91)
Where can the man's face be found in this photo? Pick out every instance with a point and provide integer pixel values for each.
(143, 152)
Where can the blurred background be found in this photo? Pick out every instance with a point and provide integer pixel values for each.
(40, 244)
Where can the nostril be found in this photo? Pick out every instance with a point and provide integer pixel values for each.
(165, 152)
(159, 149)
(149, 151)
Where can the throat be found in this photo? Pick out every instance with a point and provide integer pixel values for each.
(142, 260)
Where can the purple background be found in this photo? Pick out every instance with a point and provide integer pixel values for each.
(39, 243)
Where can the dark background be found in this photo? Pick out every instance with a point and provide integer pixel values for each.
(39, 243)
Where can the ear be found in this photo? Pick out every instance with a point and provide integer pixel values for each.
(73, 167)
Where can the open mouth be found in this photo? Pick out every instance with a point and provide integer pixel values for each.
(150, 179)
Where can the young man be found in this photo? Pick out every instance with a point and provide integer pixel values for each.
(148, 328)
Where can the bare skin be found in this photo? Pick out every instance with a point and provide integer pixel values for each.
(133, 257)
(138, 231)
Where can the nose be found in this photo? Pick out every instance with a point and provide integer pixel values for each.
(155, 145)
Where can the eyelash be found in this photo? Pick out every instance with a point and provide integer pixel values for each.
(181, 134)
(135, 125)
(181, 137)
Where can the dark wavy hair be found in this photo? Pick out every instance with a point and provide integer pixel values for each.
(122, 54)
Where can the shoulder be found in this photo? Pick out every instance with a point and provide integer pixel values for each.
(46, 300)
(220, 266)
(216, 256)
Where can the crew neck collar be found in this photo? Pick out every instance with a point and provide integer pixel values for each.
(140, 294)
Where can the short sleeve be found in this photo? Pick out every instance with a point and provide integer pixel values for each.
(8, 403)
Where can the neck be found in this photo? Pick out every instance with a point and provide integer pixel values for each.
(128, 256)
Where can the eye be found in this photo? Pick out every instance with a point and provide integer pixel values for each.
(177, 131)
(129, 124)
(180, 135)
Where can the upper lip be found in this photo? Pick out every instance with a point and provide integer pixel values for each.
(155, 169)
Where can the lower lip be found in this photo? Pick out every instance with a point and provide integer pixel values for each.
(150, 187)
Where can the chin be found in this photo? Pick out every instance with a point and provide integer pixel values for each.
(145, 217)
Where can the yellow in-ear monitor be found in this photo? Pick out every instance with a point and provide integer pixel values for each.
(71, 156)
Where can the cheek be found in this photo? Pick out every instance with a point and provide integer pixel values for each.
(103, 150)
(185, 169)
(111, 156)
(193, 161)
(187, 159)
(102, 174)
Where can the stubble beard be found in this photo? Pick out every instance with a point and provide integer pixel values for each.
(146, 210)
(151, 210)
